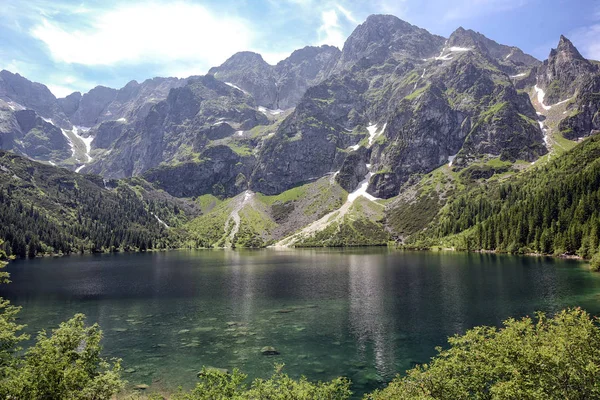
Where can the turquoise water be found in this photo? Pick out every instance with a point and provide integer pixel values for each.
(367, 314)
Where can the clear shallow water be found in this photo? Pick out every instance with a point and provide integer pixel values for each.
(367, 314)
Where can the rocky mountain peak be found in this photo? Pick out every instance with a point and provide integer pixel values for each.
(510, 56)
(383, 36)
(310, 52)
(32, 95)
(566, 50)
(278, 86)
(563, 72)
(241, 59)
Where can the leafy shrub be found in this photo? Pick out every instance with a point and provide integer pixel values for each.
(540, 358)
(216, 385)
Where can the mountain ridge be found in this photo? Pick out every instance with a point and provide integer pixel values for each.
(366, 127)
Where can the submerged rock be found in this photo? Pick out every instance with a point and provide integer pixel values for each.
(269, 351)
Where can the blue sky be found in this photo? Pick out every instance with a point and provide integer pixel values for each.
(76, 45)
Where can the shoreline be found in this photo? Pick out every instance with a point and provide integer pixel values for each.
(285, 248)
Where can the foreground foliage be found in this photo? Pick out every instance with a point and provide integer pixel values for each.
(63, 365)
(216, 385)
(542, 358)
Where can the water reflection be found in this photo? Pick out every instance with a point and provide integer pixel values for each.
(367, 312)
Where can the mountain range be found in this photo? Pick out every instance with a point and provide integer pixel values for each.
(365, 145)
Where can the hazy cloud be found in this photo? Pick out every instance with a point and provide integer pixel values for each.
(175, 34)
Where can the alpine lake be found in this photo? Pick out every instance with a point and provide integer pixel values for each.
(365, 313)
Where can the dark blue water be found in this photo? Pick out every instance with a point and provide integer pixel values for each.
(367, 314)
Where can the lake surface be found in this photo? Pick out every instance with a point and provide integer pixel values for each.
(367, 314)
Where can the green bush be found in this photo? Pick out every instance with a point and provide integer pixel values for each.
(216, 385)
(64, 365)
(541, 358)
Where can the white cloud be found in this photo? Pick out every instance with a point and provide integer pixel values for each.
(330, 31)
(274, 57)
(60, 91)
(168, 33)
(347, 14)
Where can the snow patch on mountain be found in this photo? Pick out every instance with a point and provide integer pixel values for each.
(540, 97)
(160, 221)
(268, 112)
(236, 87)
(451, 159)
(374, 132)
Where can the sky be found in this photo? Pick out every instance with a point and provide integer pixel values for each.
(77, 45)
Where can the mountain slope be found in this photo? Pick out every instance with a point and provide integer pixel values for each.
(45, 209)
(280, 86)
(552, 209)
(419, 101)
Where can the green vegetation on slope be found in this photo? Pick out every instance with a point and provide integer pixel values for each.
(545, 358)
(49, 210)
(552, 209)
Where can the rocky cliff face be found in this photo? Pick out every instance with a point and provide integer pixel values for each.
(396, 102)
(563, 72)
(280, 86)
(176, 129)
(510, 58)
(220, 172)
(420, 99)
(584, 116)
(302, 69)
(22, 93)
(132, 101)
(382, 37)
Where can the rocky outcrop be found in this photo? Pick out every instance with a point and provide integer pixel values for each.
(106, 134)
(26, 94)
(353, 170)
(511, 59)
(220, 172)
(127, 104)
(40, 139)
(302, 69)
(92, 104)
(381, 37)
(169, 132)
(563, 72)
(280, 86)
(251, 73)
(584, 117)
(70, 104)
(310, 142)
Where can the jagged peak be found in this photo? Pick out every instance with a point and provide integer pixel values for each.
(101, 88)
(74, 94)
(309, 51)
(376, 20)
(132, 82)
(245, 56)
(566, 47)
